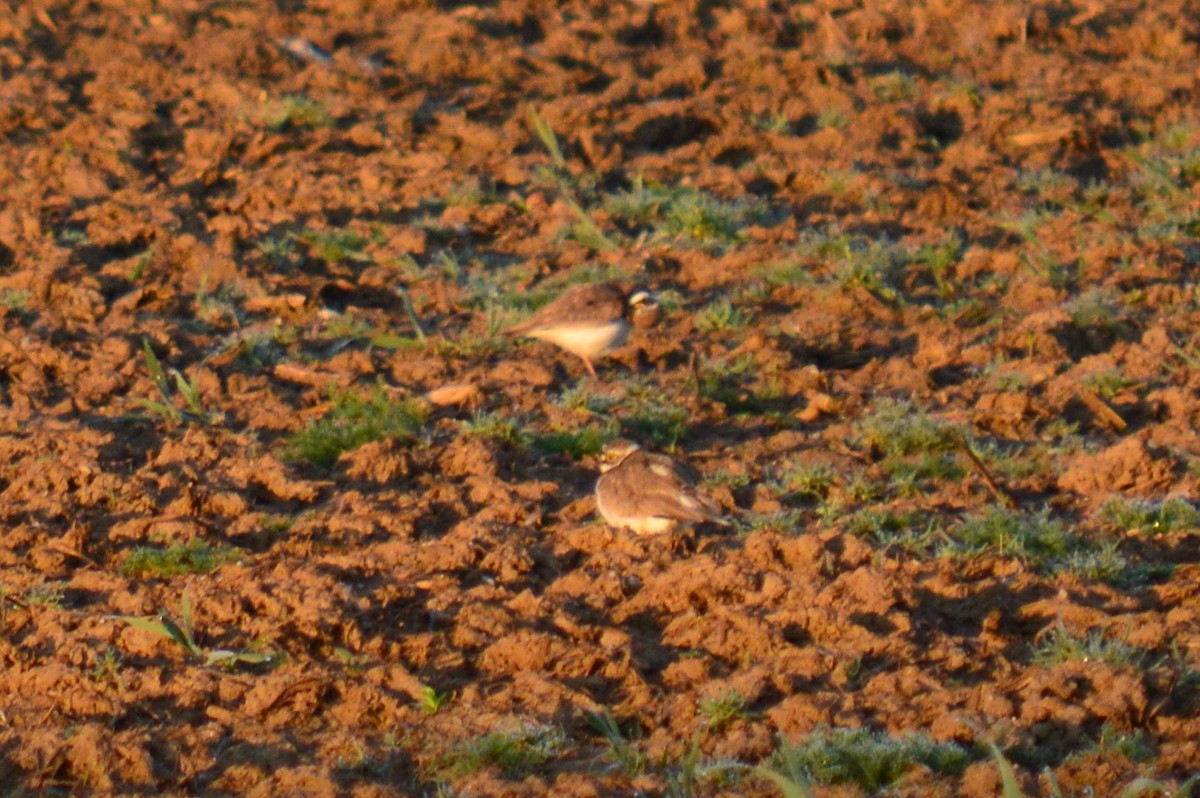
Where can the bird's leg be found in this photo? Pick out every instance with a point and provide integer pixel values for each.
(588, 364)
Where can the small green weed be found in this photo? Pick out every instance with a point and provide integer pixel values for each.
(833, 117)
(16, 301)
(584, 229)
(1128, 515)
(545, 135)
(1036, 538)
(74, 237)
(684, 213)
(721, 316)
(660, 426)
(785, 522)
(188, 389)
(480, 343)
(868, 759)
(937, 260)
(279, 250)
(1104, 563)
(46, 595)
(899, 428)
(515, 753)
(791, 785)
(784, 273)
(353, 421)
(807, 481)
(297, 112)
(138, 271)
(193, 557)
(183, 634)
(725, 477)
(911, 531)
(624, 755)
(583, 399)
(494, 426)
(575, 443)
(1046, 184)
(472, 192)
(1061, 646)
(1096, 308)
(432, 701)
(895, 86)
(356, 664)
(1134, 746)
(107, 668)
(722, 710)
(1011, 788)
(335, 246)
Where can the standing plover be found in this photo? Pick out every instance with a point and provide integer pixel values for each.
(648, 493)
(590, 320)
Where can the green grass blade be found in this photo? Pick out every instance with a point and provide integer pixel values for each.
(789, 787)
(393, 342)
(159, 408)
(157, 375)
(1008, 776)
(190, 391)
(185, 615)
(1142, 786)
(546, 135)
(181, 636)
(585, 230)
(163, 626)
(1185, 789)
(412, 316)
(147, 625)
(226, 658)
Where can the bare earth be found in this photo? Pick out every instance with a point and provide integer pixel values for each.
(975, 223)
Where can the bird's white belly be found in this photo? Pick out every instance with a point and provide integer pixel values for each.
(586, 341)
(638, 524)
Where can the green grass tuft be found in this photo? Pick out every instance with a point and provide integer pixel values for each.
(193, 557)
(899, 428)
(721, 316)
(335, 246)
(14, 300)
(297, 112)
(515, 753)
(684, 213)
(657, 426)
(871, 760)
(353, 421)
(494, 426)
(805, 482)
(1037, 539)
(575, 443)
(624, 754)
(1063, 646)
(1127, 515)
(722, 710)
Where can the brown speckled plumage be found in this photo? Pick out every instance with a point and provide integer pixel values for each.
(648, 493)
(587, 320)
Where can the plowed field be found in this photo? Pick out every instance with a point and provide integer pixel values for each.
(284, 512)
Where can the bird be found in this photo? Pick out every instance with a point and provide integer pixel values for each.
(591, 319)
(648, 493)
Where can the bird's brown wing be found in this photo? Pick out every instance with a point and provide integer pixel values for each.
(657, 487)
(580, 304)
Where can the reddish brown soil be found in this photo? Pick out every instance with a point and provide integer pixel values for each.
(142, 174)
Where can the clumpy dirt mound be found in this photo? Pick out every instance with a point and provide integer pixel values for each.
(284, 511)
